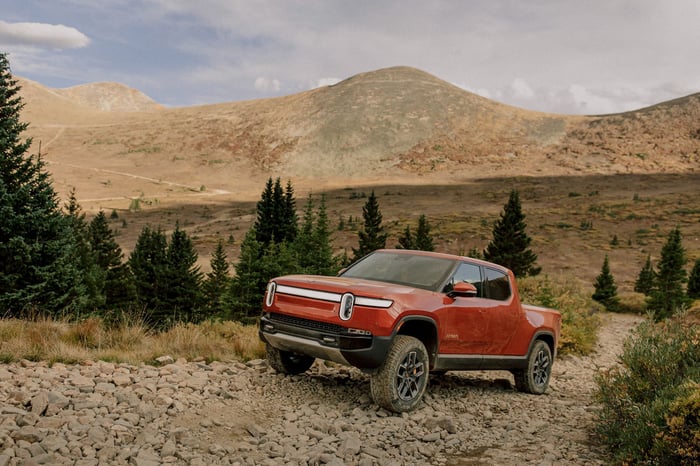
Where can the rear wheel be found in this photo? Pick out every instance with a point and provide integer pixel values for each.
(287, 362)
(401, 380)
(535, 377)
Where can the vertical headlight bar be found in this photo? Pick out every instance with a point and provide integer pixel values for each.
(347, 302)
(270, 295)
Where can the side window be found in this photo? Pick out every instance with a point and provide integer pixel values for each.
(497, 285)
(469, 273)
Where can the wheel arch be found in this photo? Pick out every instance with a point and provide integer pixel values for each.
(547, 337)
(424, 329)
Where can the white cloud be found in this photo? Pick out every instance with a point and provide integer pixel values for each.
(55, 36)
(521, 89)
(264, 84)
(326, 82)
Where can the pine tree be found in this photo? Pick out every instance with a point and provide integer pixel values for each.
(326, 262)
(118, 287)
(148, 264)
(37, 249)
(645, 280)
(406, 239)
(423, 240)
(605, 288)
(182, 297)
(667, 295)
(92, 276)
(694, 281)
(372, 235)
(276, 214)
(510, 246)
(217, 282)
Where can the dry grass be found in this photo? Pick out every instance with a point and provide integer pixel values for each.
(46, 339)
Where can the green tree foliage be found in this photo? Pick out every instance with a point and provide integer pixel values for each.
(37, 248)
(406, 239)
(667, 295)
(182, 297)
(510, 246)
(118, 286)
(372, 235)
(312, 247)
(148, 263)
(605, 288)
(276, 214)
(645, 280)
(216, 283)
(694, 281)
(92, 276)
(424, 240)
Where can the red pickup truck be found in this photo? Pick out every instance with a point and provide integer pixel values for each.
(400, 315)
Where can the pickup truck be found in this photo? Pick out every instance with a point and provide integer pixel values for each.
(400, 315)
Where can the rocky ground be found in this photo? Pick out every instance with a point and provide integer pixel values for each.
(192, 413)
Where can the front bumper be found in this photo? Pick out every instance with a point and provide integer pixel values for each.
(322, 340)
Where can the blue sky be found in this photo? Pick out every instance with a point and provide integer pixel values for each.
(562, 56)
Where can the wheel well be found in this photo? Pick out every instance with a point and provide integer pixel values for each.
(425, 331)
(547, 338)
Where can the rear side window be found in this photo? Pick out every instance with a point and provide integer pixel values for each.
(497, 285)
(469, 273)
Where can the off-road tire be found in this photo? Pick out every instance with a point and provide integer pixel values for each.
(535, 377)
(286, 362)
(399, 383)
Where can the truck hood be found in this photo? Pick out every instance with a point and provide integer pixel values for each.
(356, 286)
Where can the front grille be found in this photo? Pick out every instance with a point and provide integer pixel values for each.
(307, 324)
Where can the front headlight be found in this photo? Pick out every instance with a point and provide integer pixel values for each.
(347, 302)
(270, 294)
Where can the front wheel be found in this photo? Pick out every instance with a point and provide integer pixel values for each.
(401, 380)
(287, 362)
(535, 377)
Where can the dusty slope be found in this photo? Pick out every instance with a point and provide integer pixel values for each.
(392, 125)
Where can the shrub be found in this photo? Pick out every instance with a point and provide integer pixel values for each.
(580, 315)
(650, 406)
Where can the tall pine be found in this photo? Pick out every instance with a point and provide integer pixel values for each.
(182, 297)
(694, 281)
(510, 246)
(148, 263)
(372, 235)
(38, 270)
(423, 240)
(216, 283)
(645, 279)
(667, 296)
(606, 289)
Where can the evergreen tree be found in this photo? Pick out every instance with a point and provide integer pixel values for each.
(406, 239)
(423, 240)
(667, 295)
(325, 262)
(182, 295)
(694, 281)
(37, 249)
(217, 282)
(276, 214)
(645, 280)
(92, 276)
(372, 235)
(605, 288)
(148, 263)
(510, 246)
(118, 286)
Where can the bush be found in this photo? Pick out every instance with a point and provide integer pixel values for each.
(580, 318)
(650, 407)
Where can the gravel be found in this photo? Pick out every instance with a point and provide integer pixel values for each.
(231, 413)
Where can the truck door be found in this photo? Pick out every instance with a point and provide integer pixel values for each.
(464, 332)
(501, 310)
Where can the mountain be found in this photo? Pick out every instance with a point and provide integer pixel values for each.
(395, 124)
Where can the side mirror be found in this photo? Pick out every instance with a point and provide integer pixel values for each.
(463, 289)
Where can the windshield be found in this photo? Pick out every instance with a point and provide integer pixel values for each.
(413, 270)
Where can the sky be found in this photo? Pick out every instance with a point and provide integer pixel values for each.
(560, 56)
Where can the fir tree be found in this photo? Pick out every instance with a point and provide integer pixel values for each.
(406, 239)
(694, 281)
(119, 291)
(667, 295)
(182, 295)
(605, 288)
(148, 264)
(510, 246)
(423, 240)
(372, 235)
(645, 280)
(37, 249)
(217, 282)
(276, 214)
(325, 262)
